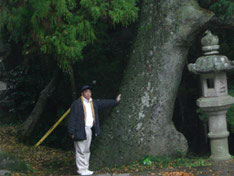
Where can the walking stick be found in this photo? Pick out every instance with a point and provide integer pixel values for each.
(52, 128)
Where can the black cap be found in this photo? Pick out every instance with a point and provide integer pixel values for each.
(85, 87)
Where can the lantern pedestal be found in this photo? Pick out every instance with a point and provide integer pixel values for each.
(216, 109)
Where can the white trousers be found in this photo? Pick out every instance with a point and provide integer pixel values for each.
(82, 151)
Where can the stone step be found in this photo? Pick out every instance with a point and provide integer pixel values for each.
(4, 172)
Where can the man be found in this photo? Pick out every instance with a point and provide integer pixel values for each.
(84, 116)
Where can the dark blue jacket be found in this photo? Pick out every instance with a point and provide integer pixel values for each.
(76, 122)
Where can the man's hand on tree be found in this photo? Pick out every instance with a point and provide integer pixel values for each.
(118, 98)
(72, 136)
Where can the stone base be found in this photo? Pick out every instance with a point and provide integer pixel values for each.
(216, 109)
(220, 158)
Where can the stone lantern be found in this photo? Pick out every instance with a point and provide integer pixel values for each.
(215, 100)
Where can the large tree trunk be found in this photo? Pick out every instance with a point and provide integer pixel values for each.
(142, 123)
(27, 127)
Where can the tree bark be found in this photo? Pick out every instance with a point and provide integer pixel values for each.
(142, 123)
(73, 84)
(28, 125)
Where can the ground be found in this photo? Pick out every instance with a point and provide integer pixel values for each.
(50, 161)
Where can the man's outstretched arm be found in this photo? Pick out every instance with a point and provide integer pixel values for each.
(105, 103)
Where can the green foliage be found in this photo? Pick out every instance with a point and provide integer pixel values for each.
(202, 115)
(19, 99)
(147, 161)
(163, 162)
(223, 8)
(61, 29)
(123, 12)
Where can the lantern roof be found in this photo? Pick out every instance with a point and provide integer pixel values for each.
(211, 61)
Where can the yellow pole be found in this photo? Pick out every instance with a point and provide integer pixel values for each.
(52, 128)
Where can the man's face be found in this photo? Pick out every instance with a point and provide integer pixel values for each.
(87, 94)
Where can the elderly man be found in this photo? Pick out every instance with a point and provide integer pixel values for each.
(84, 116)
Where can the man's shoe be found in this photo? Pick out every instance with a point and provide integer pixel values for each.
(81, 173)
(88, 172)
